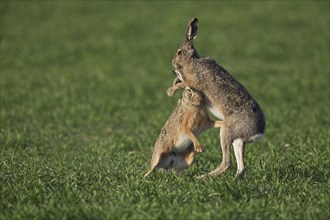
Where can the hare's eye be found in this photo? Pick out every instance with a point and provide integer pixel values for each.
(179, 52)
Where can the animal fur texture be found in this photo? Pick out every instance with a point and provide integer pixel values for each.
(177, 143)
(225, 98)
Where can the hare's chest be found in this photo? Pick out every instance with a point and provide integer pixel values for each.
(182, 142)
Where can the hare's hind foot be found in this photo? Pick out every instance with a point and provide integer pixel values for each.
(215, 172)
(220, 170)
(240, 175)
(203, 176)
(147, 174)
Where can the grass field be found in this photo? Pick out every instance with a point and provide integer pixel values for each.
(83, 98)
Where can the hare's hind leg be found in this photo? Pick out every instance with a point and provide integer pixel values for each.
(152, 167)
(239, 155)
(153, 163)
(226, 142)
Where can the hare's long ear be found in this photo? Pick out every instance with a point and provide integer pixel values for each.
(192, 29)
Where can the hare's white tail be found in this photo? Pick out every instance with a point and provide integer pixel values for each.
(256, 137)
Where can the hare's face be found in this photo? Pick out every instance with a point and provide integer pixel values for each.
(187, 51)
(183, 55)
(192, 97)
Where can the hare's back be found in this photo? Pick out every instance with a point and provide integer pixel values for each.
(171, 128)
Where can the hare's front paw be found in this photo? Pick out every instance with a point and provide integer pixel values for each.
(170, 91)
(199, 149)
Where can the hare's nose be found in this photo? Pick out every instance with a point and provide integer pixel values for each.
(173, 71)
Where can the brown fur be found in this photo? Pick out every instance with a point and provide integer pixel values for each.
(177, 143)
(225, 97)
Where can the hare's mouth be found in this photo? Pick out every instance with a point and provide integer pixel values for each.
(179, 75)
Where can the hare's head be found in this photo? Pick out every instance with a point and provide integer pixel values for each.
(192, 96)
(187, 50)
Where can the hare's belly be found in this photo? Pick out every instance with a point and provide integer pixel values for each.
(215, 111)
(182, 142)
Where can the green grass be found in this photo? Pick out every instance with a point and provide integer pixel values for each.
(83, 97)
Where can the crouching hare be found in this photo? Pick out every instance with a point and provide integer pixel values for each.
(177, 143)
(226, 99)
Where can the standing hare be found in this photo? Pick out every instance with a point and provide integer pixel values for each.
(177, 143)
(227, 99)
